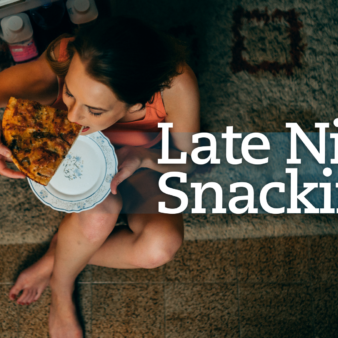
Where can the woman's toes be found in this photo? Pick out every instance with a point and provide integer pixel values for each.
(14, 291)
(22, 298)
(29, 297)
(25, 297)
(38, 294)
(32, 296)
(12, 296)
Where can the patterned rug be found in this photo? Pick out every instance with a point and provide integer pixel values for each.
(266, 42)
(259, 64)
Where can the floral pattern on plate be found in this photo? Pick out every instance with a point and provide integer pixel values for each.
(73, 168)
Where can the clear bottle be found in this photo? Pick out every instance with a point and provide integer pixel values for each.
(82, 11)
(17, 31)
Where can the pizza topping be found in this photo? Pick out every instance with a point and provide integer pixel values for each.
(26, 161)
(37, 106)
(43, 157)
(46, 172)
(38, 136)
(63, 137)
(39, 126)
(41, 134)
(69, 137)
(16, 111)
(13, 145)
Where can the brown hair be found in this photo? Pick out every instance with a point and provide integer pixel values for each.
(59, 68)
(132, 58)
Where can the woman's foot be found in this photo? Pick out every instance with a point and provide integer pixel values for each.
(63, 322)
(34, 279)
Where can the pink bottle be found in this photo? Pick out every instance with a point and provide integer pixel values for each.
(17, 31)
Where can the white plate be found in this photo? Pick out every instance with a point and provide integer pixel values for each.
(83, 179)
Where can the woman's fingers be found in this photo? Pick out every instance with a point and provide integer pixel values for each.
(118, 178)
(114, 183)
(4, 171)
(5, 156)
(4, 151)
(7, 159)
(10, 173)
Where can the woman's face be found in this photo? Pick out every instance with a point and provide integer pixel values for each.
(91, 103)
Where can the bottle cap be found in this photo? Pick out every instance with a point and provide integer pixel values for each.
(15, 23)
(81, 6)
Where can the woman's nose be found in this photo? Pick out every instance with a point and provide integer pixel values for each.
(74, 114)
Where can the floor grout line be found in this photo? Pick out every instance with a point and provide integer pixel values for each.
(309, 281)
(202, 282)
(126, 283)
(239, 317)
(311, 285)
(165, 311)
(91, 310)
(19, 315)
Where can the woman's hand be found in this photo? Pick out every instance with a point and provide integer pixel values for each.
(5, 156)
(130, 159)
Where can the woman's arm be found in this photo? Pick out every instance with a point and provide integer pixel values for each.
(33, 80)
(132, 158)
(182, 104)
(150, 160)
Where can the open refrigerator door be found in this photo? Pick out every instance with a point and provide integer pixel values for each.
(8, 2)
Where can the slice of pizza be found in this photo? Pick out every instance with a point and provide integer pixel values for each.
(38, 136)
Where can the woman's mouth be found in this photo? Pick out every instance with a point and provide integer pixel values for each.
(85, 128)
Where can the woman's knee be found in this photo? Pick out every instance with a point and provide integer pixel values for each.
(100, 221)
(159, 256)
(159, 249)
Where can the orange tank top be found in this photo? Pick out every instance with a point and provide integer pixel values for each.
(143, 132)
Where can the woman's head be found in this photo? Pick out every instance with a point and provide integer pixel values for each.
(118, 65)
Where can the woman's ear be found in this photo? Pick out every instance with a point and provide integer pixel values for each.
(135, 108)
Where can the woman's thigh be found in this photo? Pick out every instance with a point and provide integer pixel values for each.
(100, 220)
(139, 190)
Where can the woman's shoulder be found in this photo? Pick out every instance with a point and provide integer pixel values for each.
(184, 89)
(186, 78)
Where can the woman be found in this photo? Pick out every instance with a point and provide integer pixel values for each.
(122, 78)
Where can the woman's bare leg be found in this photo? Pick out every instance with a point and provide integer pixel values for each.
(156, 239)
(79, 236)
(160, 239)
(82, 239)
(123, 247)
(153, 241)
(34, 279)
(121, 250)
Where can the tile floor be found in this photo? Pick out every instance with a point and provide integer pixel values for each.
(267, 287)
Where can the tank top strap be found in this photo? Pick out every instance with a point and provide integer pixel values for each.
(156, 109)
